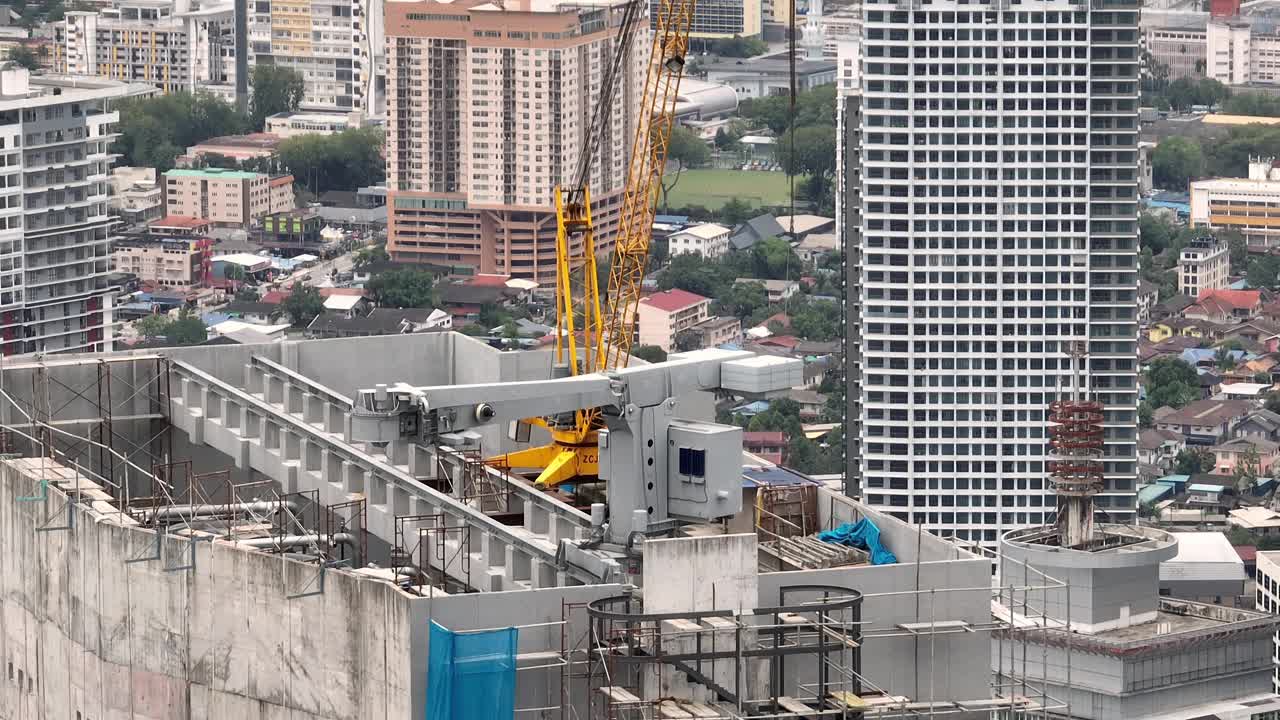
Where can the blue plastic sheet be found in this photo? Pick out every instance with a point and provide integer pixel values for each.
(863, 535)
(471, 676)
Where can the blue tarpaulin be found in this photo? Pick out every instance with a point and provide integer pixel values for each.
(863, 535)
(471, 676)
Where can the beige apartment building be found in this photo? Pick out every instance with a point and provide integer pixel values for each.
(488, 110)
(664, 315)
(171, 263)
(226, 198)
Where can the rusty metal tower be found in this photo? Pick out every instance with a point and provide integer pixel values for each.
(1075, 453)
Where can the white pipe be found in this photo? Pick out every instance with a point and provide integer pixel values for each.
(292, 541)
(181, 512)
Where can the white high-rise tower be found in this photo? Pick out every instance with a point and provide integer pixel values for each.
(989, 210)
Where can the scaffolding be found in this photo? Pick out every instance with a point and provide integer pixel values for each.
(430, 552)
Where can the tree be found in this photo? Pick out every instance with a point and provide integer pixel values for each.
(1257, 104)
(342, 161)
(1194, 460)
(364, 257)
(1176, 162)
(276, 89)
(773, 259)
(1170, 382)
(685, 150)
(1224, 359)
(650, 353)
(246, 293)
(1272, 402)
(737, 211)
(741, 299)
(691, 272)
(1146, 416)
(155, 130)
(725, 140)
(1239, 250)
(24, 57)
(739, 47)
(408, 288)
(303, 304)
(1264, 272)
(188, 329)
(153, 325)
(812, 153)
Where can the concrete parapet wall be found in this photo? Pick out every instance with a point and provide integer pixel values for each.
(101, 622)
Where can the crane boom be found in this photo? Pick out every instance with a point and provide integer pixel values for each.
(607, 332)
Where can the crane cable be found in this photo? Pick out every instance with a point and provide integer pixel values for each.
(604, 103)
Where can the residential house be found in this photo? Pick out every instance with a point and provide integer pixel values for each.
(1148, 296)
(1258, 425)
(380, 321)
(708, 240)
(1205, 422)
(716, 331)
(1259, 521)
(525, 328)
(348, 305)
(1210, 382)
(754, 230)
(817, 246)
(1162, 330)
(1172, 347)
(364, 273)
(1205, 494)
(1208, 357)
(254, 313)
(1235, 454)
(464, 300)
(1224, 306)
(799, 227)
(664, 315)
(770, 446)
(1171, 307)
(777, 290)
(1260, 330)
(811, 403)
(1159, 448)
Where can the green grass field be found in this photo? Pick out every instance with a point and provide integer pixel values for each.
(714, 188)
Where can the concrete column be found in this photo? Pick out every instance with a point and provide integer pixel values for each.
(355, 477)
(248, 423)
(290, 480)
(377, 485)
(275, 389)
(330, 467)
(210, 403)
(191, 391)
(292, 445)
(335, 419)
(312, 455)
(312, 408)
(421, 463)
(230, 413)
(518, 565)
(270, 435)
(253, 379)
(537, 520)
(399, 501)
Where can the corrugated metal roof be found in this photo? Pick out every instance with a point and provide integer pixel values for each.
(1203, 556)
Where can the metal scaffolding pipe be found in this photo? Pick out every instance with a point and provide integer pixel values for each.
(187, 512)
(292, 541)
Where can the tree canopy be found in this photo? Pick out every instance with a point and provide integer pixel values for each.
(813, 107)
(650, 353)
(303, 304)
(687, 148)
(814, 155)
(155, 130)
(408, 288)
(24, 57)
(1171, 382)
(1176, 162)
(276, 89)
(739, 47)
(1259, 104)
(1194, 460)
(186, 329)
(342, 161)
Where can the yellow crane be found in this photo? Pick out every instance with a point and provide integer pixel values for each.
(607, 329)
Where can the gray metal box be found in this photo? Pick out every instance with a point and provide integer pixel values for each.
(761, 375)
(704, 470)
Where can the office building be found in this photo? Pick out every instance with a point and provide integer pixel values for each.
(474, 156)
(292, 124)
(226, 198)
(708, 240)
(170, 44)
(720, 19)
(1267, 599)
(989, 215)
(1204, 264)
(54, 228)
(338, 47)
(766, 77)
(1243, 50)
(1249, 205)
(1175, 42)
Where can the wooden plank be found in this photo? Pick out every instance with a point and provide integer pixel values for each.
(847, 700)
(618, 694)
(699, 710)
(792, 705)
(669, 709)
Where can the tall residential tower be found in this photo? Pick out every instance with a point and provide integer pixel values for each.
(489, 108)
(989, 209)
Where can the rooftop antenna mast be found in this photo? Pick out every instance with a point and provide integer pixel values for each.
(1075, 453)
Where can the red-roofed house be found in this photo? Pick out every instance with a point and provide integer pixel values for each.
(767, 445)
(665, 314)
(275, 297)
(1225, 306)
(179, 226)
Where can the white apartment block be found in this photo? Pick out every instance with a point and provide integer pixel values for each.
(488, 111)
(337, 45)
(708, 240)
(1250, 205)
(662, 316)
(1204, 264)
(1267, 599)
(55, 233)
(170, 44)
(990, 218)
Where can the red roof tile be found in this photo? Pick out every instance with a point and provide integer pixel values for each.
(784, 341)
(1238, 299)
(673, 300)
(275, 297)
(488, 280)
(1247, 553)
(353, 292)
(764, 438)
(180, 221)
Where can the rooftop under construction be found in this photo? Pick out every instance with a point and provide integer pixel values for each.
(197, 533)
